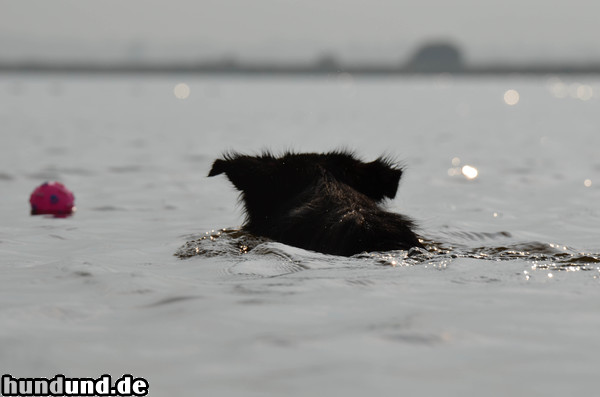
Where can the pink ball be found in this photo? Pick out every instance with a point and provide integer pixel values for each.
(52, 198)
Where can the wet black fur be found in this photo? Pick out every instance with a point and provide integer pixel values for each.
(322, 202)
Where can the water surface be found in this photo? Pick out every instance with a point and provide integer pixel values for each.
(504, 300)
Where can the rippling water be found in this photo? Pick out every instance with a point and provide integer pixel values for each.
(234, 244)
(502, 300)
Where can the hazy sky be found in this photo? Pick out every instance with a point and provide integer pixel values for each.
(389, 30)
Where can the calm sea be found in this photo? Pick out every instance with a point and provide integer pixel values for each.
(502, 176)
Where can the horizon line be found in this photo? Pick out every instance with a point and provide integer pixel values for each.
(270, 68)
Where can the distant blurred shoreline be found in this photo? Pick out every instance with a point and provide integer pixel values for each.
(430, 58)
(278, 69)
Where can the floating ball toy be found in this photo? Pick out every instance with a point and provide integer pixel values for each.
(52, 198)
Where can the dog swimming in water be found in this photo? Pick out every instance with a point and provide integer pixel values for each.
(324, 202)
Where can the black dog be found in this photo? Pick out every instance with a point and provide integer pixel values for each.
(321, 202)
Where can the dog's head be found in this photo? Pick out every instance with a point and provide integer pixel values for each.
(271, 179)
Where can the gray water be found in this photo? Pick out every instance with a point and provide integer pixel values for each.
(504, 300)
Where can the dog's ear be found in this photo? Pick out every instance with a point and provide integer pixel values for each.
(247, 173)
(380, 179)
(389, 176)
(218, 167)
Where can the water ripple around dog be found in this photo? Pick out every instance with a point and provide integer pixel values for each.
(257, 257)
(266, 260)
(254, 250)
